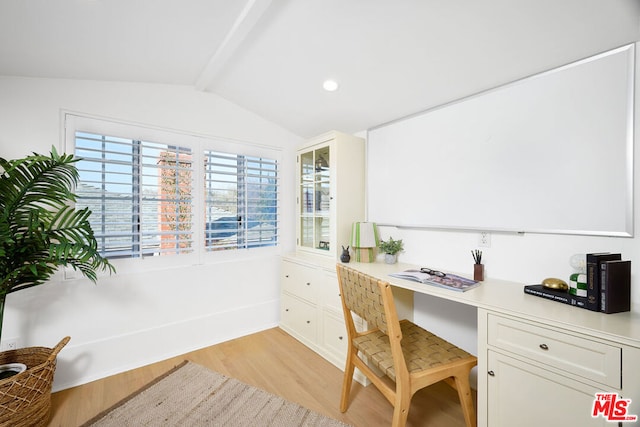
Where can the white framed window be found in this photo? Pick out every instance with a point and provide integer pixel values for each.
(159, 193)
(241, 201)
(139, 194)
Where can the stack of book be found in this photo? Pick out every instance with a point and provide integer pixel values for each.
(608, 285)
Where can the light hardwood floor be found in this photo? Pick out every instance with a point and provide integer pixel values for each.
(276, 362)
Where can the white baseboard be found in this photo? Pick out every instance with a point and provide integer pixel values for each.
(85, 362)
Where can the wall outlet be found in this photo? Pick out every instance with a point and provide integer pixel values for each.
(9, 344)
(484, 240)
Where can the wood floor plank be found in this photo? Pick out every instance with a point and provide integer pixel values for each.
(276, 362)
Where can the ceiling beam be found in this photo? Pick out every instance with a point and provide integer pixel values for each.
(245, 22)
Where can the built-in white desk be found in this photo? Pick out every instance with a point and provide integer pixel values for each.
(540, 362)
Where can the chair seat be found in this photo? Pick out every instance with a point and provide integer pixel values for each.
(422, 349)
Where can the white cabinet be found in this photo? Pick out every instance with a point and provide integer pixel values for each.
(334, 338)
(311, 310)
(299, 318)
(334, 342)
(330, 177)
(525, 395)
(538, 375)
(301, 280)
(299, 305)
(330, 197)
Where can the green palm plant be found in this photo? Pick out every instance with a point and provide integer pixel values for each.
(40, 230)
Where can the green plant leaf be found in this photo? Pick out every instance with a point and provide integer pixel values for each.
(39, 228)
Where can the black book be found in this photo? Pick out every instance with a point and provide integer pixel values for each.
(556, 295)
(593, 277)
(615, 283)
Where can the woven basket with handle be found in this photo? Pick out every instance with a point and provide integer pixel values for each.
(25, 398)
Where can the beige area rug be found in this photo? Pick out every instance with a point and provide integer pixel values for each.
(192, 395)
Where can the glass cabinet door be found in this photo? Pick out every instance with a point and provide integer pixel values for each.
(315, 199)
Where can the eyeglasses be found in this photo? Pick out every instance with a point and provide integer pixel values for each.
(432, 272)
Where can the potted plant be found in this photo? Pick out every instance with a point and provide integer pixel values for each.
(391, 248)
(40, 231)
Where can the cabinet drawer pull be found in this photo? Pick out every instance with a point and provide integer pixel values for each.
(286, 275)
(308, 283)
(308, 321)
(340, 338)
(491, 373)
(544, 346)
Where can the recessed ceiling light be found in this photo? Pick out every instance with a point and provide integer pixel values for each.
(330, 85)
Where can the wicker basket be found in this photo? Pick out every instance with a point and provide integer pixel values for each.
(25, 398)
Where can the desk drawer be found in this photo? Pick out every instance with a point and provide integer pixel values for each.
(299, 316)
(335, 335)
(331, 292)
(301, 281)
(592, 360)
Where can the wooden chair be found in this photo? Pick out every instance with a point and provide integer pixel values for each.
(412, 363)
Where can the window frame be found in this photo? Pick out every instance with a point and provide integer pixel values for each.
(198, 143)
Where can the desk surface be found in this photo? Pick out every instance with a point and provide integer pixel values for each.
(509, 298)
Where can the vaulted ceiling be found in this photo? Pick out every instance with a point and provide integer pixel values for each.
(390, 58)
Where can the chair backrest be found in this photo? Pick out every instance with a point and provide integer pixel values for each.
(372, 300)
(362, 295)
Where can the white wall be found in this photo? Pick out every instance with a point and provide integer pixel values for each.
(523, 259)
(138, 317)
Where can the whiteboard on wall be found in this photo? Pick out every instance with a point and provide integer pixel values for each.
(552, 153)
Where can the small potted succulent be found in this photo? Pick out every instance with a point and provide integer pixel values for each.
(390, 248)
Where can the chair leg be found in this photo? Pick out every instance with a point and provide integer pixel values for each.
(466, 401)
(401, 408)
(346, 382)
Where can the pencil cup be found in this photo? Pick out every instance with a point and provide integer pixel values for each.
(478, 272)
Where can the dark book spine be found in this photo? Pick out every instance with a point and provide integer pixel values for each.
(603, 286)
(593, 288)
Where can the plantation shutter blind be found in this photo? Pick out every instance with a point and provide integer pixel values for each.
(241, 195)
(261, 184)
(139, 192)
